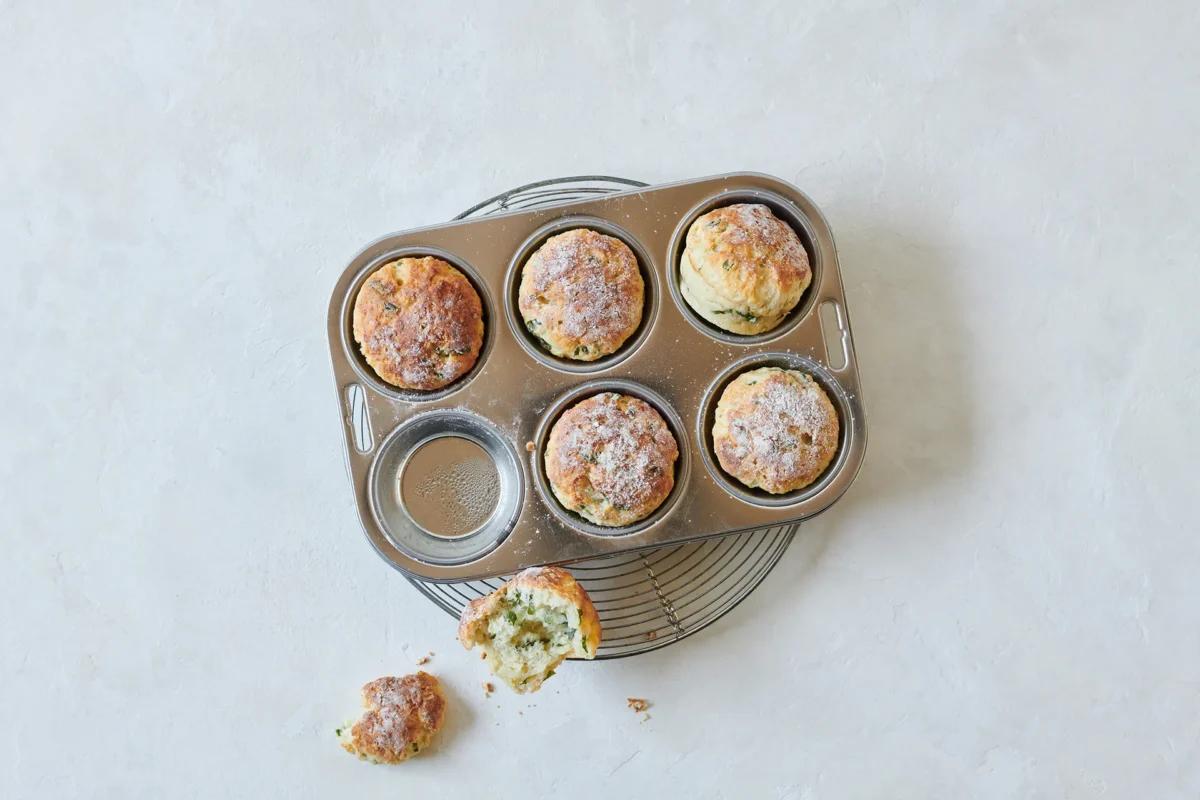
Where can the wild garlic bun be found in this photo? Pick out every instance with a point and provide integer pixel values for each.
(743, 269)
(581, 294)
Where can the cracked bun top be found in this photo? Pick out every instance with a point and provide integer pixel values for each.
(743, 269)
(775, 429)
(611, 459)
(581, 294)
(419, 323)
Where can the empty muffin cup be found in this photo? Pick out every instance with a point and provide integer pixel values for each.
(446, 487)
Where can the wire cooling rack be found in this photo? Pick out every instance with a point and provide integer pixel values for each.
(652, 598)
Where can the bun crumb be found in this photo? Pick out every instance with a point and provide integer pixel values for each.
(530, 625)
(400, 719)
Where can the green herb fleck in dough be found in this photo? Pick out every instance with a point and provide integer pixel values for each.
(390, 307)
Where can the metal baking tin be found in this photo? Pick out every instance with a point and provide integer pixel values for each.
(508, 402)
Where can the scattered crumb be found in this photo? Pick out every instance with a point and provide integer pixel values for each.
(488, 688)
(423, 660)
(637, 704)
(651, 634)
(530, 446)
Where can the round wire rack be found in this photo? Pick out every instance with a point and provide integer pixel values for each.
(652, 598)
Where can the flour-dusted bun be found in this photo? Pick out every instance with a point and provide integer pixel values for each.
(581, 294)
(401, 717)
(528, 626)
(743, 269)
(419, 322)
(611, 459)
(775, 429)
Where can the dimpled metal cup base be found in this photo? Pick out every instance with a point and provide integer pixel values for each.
(390, 487)
(511, 387)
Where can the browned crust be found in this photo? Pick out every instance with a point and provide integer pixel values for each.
(582, 294)
(743, 268)
(401, 717)
(419, 323)
(763, 447)
(605, 491)
(769, 247)
(474, 619)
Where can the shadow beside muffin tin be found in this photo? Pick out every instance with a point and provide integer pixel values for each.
(676, 361)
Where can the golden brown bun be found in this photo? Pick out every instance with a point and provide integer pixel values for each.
(419, 322)
(401, 717)
(611, 459)
(581, 294)
(743, 269)
(528, 626)
(775, 429)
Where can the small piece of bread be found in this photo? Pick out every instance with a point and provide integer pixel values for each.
(401, 717)
(528, 626)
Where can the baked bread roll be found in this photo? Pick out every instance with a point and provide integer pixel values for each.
(743, 269)
(528, 626)
(401, 717)
(419, 323)
(581, 294)
(611, 459)
(775, 429)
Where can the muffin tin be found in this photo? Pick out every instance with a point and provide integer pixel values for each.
(505, 406)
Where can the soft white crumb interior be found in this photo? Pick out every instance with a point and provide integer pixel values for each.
(530, 634)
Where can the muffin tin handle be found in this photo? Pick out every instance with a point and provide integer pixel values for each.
(835, 333)
(358, 418)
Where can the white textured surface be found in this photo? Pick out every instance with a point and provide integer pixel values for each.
(1005, 605)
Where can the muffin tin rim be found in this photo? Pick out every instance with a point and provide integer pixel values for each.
(651, 294)
(488, 241)
(577, 394)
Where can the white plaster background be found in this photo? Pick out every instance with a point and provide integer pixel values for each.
(1005, 604)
